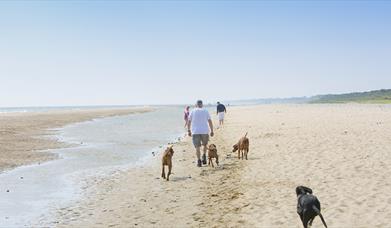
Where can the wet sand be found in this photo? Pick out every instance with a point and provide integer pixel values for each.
(341, 151)
(23, 136)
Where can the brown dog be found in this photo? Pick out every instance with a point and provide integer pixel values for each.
(242, 147)
(212, 153)
(167, 160)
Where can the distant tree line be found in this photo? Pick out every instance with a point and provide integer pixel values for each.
(375, 96)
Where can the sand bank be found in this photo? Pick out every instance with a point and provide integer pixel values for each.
(22, 135)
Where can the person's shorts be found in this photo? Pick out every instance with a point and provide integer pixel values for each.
(221, 115)
(199, 139)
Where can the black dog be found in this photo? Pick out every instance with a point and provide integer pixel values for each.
(308, 206)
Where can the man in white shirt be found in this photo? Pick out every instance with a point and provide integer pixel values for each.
(198, 128)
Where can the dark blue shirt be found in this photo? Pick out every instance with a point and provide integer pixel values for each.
(221, 108)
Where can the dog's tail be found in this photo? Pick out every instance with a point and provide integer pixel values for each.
(320, 215)
(245, 134)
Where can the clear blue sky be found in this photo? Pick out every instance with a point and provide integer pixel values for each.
(92, 53)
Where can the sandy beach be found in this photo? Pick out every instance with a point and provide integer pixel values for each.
(340, 151)
(94, 92)
(23, 136)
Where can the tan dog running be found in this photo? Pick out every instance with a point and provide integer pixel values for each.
(167, 160)
(242, 147)
(212, 153)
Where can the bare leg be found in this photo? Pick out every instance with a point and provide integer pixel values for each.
(204, 150)
(198, 153)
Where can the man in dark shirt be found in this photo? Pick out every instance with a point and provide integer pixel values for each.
(221, 110)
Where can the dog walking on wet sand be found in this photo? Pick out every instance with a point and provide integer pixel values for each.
(242, 147)
(212, 153)
(308, 206)
(167, 161)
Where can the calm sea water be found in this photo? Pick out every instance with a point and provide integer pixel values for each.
(104, 145)
(57, 108)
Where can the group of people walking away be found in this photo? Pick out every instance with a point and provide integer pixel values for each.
(200, 126)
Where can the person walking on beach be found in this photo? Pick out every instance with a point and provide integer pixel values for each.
(198, 127)
(186, 115)
(221, 110)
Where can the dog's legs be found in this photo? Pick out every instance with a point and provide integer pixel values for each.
(305, 220)
(217, 159)
(243, 154)
(324, 222)
(169, 171)
(211, 161)
(163, 174)
(246, 153)
(238, 153)
(320, 215)
(310, 223)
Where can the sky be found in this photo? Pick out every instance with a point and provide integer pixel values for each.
(56, 53)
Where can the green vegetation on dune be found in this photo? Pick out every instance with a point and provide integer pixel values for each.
(382, 96)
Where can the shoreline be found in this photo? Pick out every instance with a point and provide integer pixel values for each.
(76, 167)
(27, 137)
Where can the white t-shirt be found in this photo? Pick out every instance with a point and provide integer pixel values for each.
(199, 121)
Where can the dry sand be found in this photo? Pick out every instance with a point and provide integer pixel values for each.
(343, 152)
(22, 134)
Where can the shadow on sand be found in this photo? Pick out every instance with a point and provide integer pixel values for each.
(183, 178)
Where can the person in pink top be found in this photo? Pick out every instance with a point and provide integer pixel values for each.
(186, 115)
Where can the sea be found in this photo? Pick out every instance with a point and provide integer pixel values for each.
(100, 146)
